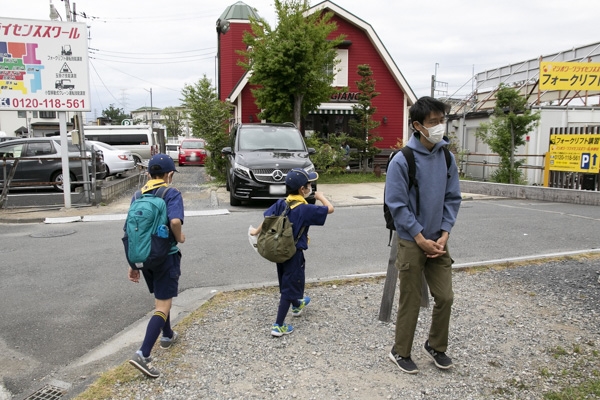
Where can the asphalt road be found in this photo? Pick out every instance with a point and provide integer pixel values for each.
(64, 289)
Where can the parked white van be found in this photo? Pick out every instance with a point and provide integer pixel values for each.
(138, 139)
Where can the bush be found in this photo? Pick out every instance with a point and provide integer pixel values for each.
(330, 157)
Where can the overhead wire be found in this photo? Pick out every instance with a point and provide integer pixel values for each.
(107, 57)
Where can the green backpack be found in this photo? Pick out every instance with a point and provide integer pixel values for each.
(147, 242)
(276, 241)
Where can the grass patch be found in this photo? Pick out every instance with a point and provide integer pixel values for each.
(584, 390)
(559, 351)
(104, 387)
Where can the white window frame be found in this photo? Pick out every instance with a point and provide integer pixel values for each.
(340, 78)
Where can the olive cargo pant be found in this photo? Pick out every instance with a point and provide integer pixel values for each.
(412, 264)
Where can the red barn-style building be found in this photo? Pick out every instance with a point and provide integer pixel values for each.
(361, 46)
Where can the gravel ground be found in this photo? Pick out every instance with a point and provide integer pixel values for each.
(513, 333)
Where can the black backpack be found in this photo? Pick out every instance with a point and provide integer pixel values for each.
(412, 182)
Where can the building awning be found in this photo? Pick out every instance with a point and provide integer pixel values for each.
(334, 108)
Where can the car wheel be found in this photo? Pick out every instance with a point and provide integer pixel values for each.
(233, 201)
(137, 160)
(227, 185)
(58, 177)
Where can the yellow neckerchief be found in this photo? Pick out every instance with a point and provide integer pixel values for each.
(298, 198)
(153, 184)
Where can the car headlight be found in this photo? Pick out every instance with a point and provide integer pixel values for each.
(241, 170)
(310, 168)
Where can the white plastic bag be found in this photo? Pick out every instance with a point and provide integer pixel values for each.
(252, 239)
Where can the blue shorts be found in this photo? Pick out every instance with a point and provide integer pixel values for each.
(291, 277)
(163, 280)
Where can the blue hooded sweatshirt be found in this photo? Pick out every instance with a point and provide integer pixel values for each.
(439, 191)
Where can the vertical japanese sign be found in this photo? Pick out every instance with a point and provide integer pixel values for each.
(575, 153)
(569, 76)
(43, 65)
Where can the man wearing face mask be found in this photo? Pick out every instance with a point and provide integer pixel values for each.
(423, 232)
(291, 273)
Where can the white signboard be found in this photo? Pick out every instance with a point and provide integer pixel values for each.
(43, 65)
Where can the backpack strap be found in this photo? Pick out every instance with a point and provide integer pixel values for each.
(288, 207)
(161, 192)
(412, 168)
(448, 159)
(386, 210)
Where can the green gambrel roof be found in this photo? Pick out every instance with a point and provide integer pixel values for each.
(239, 10)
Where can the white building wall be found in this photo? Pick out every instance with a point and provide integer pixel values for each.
(537, 146)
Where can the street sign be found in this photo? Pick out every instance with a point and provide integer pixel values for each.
(43, 65)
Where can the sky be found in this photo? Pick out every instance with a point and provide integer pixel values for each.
(142, 47)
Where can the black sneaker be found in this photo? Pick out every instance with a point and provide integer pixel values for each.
(144, 365)
(440, 359)
(404, 363)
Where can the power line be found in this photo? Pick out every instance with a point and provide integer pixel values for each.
(174, 52)
(103, 84)
(140, 79)
(152, 63)
(158, 57)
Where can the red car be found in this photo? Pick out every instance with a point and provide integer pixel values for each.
(192, 152)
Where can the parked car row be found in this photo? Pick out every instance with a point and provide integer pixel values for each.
(39, 161)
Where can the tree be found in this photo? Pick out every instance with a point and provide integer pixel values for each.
(209, 119)
(173, 120)
(116, 115)
(363, 125)
(510, 124)
(291, 66)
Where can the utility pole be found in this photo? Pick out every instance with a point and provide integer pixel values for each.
(88, 188)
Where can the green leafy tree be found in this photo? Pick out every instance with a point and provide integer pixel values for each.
(173, 120)
(510, 124)
(363, 124)
(116, 115)
(291, 66)
(209, 119)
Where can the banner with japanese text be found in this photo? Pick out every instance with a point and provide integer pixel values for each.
(569, 76)
(575, 153)
(43, 65)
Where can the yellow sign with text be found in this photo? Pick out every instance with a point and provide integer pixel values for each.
(575, 153)
(569, 76)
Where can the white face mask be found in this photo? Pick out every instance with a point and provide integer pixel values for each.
(309, 192)
(436, 133)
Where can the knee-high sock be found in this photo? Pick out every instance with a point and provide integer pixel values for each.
(166, 330)
(284, 306)
(152, 331)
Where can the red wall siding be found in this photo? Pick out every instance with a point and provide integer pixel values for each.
(249, 106)
(390, 102)
(229, 70)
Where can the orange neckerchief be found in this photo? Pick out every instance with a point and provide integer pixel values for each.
(153, 184)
